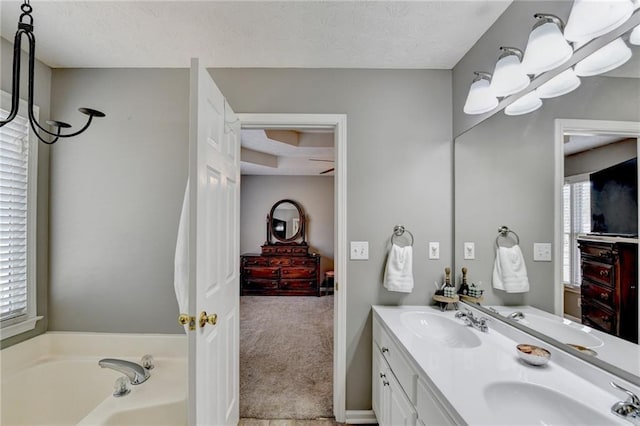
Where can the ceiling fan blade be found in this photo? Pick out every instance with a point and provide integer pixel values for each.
(318, 159)
(328, 171)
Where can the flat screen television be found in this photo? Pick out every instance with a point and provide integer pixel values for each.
(279, 228)
(614, 200)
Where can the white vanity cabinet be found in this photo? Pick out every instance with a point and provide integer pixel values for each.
(400, 394)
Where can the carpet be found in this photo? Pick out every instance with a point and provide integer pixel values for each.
(286, 357)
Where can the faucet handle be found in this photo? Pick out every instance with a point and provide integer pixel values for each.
(633, 398)
(121, 387)
(147, 362)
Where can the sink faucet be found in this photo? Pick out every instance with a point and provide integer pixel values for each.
(628, 409)
(517, 315)
(136, 373)
(472, 321)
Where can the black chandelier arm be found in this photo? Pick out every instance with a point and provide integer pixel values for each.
(42, 139)
(15, 84)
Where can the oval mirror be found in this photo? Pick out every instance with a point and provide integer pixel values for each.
(286, 221)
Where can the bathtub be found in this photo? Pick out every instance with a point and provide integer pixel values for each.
(54, 379)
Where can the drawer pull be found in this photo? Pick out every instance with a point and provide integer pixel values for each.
(385, 383)
(384, 349)
(605, 318)
(604, 296)
(604, 254)
(382, 375)
(604, 273)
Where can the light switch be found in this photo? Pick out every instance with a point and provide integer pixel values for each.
(359, 250)
(469, 250)
(542, 252)
(434, 250)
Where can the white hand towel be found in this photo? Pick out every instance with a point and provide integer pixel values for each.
(398, 274)
(181, 259)
(510, 271)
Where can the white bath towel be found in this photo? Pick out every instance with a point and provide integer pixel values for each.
(181, 259)
(398, 274)
(510, 271)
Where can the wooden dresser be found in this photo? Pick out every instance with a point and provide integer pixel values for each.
(609, 290)
(281, 270)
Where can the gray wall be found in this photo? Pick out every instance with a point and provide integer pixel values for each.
(42, 89)
(116, 195)
(315, 195)
(398, 172)
(600, 158)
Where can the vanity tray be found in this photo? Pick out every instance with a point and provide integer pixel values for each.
(443, 301)
(472, 299)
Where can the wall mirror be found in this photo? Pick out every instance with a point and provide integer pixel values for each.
(286, 223)
(510, 170)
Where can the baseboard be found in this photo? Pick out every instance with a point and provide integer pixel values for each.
(360, 417)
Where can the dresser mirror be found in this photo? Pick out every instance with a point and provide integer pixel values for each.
(510, 170)
(286, 223)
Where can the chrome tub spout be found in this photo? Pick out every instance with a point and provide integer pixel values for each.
(135, 372)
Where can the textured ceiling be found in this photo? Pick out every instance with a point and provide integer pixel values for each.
(298, 34)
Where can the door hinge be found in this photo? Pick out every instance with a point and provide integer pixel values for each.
(336, 287)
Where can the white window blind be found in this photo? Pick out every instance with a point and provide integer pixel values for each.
(576, 220)
(14, 184)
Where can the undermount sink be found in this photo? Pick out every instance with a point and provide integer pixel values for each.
(437, 327)
(529, 404)
(564, 331)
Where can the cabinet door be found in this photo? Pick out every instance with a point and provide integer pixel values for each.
(378, 383)
(430, 411)
(401, 412)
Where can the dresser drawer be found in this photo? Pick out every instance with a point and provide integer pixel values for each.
(261, 272)
(298, 284)
(593, 292)
(604, 253)
(303, 261)
(298, 272)
(598, 272)
(255, 261)
(280, 261)
(260, 284)
(598, 317)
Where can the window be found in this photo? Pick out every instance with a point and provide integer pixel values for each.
(576, 220)
(18, 177)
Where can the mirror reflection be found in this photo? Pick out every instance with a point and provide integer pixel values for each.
(562, 177)
(285, 221)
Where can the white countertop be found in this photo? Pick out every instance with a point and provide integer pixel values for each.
(462, 374)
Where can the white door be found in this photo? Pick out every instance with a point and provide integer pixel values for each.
(214, 172)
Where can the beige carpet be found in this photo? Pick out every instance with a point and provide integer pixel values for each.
(286, 357)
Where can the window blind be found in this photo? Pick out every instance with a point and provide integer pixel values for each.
(14, 167)
(576, 220)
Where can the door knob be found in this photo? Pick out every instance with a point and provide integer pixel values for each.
(207, 319)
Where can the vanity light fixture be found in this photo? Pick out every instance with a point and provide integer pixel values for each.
(526, 104)
(547, 48)
(592, 18)
(481, 98)
(634, 37)
(508, 75)
(607, 58)
(25, 27)
(559, 85)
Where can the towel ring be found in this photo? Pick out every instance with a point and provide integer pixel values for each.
(399, 231)
(504, 232)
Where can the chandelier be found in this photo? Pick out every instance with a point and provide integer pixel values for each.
(25, 27)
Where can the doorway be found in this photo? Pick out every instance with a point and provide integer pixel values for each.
(334, 125)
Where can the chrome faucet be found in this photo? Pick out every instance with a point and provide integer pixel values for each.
(628, 409)
(517, 315)
(470, 320)
(135, 372)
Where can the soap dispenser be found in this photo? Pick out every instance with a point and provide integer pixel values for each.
(449, 289)
(464, 287)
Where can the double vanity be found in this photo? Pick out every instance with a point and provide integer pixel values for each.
(440, 368)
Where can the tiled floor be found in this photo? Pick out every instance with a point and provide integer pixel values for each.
(288, 422)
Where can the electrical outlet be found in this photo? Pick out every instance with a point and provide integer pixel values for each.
(359, 250)
(434, 250)
(469, 250)
(542, 252)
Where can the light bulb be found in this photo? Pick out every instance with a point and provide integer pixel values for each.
(481, 98)
(547, 48)
(508, 75)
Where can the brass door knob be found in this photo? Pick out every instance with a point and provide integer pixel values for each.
(207, 319)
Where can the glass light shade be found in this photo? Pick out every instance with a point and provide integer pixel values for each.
(592, 18)
(546, 49)
(508, 76)
(559, 85)
(526, 104)
(480, 99)
(607, 58)
(634, 38)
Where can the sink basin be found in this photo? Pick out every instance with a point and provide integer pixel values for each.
(562, 330)
(516, 403)
(439, 328)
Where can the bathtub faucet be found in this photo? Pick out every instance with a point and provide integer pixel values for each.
(135, 372)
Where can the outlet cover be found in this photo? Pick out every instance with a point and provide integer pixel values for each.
(469, 250)
(542, 252)
(359, 250)
(434, 250)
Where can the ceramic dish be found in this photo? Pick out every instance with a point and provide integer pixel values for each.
(583, 349)
(532, 354)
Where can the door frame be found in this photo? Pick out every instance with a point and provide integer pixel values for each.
(337, 122)
(595, 127)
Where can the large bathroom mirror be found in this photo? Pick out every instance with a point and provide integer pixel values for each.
(286, 222)
(514, 171)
